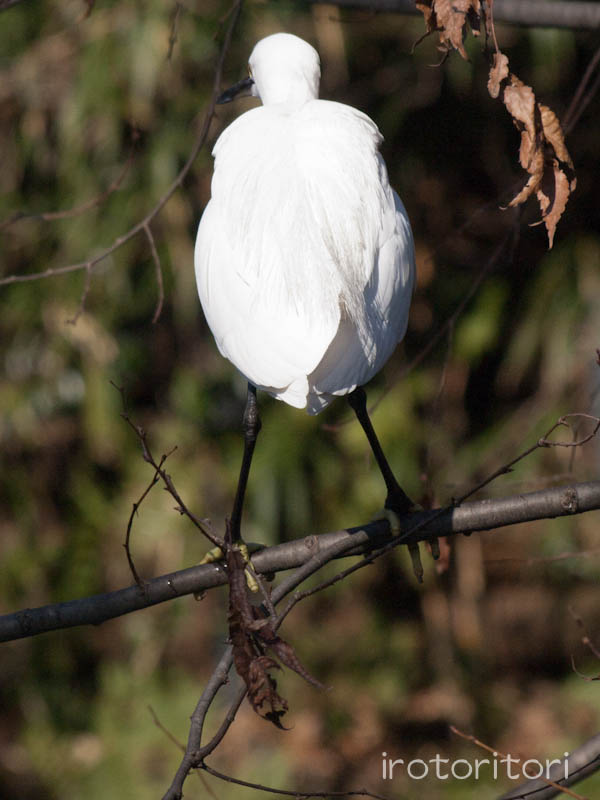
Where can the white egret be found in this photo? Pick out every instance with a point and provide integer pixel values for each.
(304, 256)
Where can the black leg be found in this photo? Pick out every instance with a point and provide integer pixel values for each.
(397, 500)
(251, 426)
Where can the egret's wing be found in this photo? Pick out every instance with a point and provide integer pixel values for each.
(357, 353)
(305, 200)
(297, 253)
(270, 345)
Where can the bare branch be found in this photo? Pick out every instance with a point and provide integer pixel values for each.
(132, 516)
(580, 763)
(479, 515)
(534, 13)
(159, 277)
(585, 637)
(5, 4)
(141, 226)
(193, 756)
(580, 101)
(494, 750)
(509, 241)
(174, 27)
(84, 294)
(290, 792)
(203, 525)
(69, 213)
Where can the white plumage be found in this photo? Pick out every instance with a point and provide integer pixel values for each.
(304, 256)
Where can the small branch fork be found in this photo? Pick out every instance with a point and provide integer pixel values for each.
(203, 525)
(311, 554)
(194, 756)
(308, 555)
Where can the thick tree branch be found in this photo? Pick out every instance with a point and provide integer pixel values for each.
(534, 13)
(5, 4)
(581, 763)
(470, 517)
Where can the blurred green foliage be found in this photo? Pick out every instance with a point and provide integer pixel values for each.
(484, 645)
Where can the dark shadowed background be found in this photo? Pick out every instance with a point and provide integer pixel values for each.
(486, 643)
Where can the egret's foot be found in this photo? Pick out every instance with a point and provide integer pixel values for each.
(216, 554)
(246, 549)
(396, 528)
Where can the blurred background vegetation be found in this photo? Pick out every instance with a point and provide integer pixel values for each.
(485, 644)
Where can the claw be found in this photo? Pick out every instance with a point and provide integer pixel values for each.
(415, 557)
(392, 518)
(216, 554)
(396, 528)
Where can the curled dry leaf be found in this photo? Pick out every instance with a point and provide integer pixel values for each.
(449, 18)
(498, 73)
(543, 154)
(251, 635)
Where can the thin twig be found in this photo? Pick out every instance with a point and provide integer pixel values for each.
(69, 213)
(134, 511)
(84, 295)
(562, 422)
(395, 376)
(576, 106)
(173, 32)
(190, 759)
(585, 637)
(203, 525)
(290, 792)
(159, 276)
(497, 752)
(167, 732)
(409, 534)
(139, 227)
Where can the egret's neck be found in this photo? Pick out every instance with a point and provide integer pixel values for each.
(295, 90)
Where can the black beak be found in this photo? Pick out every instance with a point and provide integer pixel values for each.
(240, 89)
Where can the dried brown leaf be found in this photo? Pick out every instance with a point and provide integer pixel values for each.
(519, 100)
(553, 134)
(251, 635)
(553, 193)
(426, 8)
(448, 18)
(498, 73)
(262, 690)
(542, 153)
(287, 655)
(536, 168)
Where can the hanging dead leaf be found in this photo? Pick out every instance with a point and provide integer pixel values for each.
(252, 635)
(554, 135)
(553, 194)
(498, 73)
(449, 19)
(542, 153)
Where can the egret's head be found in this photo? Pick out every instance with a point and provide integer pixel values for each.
(283, 69)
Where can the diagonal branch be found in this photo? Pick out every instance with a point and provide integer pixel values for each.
(476, 516)
(579, 764)
(69, 213)
(142, 225)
